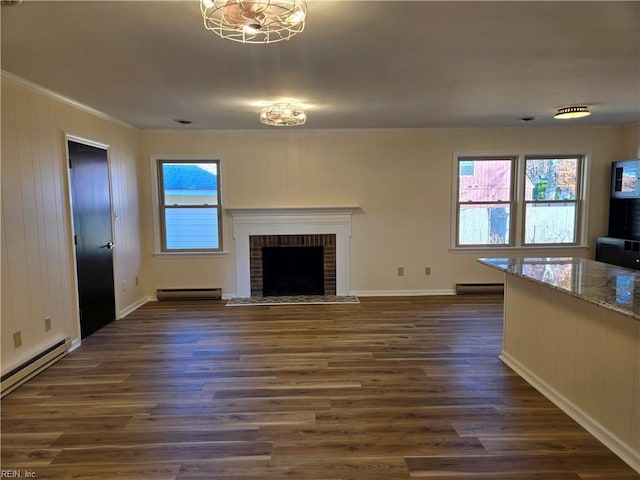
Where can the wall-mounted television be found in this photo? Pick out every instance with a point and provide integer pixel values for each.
(625, 179)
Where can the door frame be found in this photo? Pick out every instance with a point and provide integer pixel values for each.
(76, 299)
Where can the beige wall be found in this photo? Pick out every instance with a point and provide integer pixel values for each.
(402, 180)
(631, 142)
(37, 253)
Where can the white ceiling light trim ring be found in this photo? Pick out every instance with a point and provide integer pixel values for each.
(567, 113)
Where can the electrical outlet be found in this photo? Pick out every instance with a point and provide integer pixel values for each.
(137, 281)
(401, 271)
(427, 270)
(17, 339)
(47, 324)
(124, 285)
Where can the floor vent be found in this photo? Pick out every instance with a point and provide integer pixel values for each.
(189, 294)
(29, 369)
(479, 288)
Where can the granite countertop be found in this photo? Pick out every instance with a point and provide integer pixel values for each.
(609, 286)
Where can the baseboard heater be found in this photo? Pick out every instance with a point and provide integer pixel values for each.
(29, 369)
(189, 294)
(479, 288)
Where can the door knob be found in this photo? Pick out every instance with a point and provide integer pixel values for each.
(109, 246)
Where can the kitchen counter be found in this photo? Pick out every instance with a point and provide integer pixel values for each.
(612, 287)
(571, 329)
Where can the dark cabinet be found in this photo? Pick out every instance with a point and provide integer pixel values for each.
(624, 218)
(617, 251)
(622, 245)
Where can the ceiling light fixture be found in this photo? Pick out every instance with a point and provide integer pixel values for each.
(283, 115)
(572, 112)
(254, 21)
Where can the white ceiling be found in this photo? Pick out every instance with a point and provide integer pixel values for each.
(358, 64)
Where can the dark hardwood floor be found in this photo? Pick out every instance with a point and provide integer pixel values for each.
(391, 388)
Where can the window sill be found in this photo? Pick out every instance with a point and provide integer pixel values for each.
(190, 254)
(537, 250)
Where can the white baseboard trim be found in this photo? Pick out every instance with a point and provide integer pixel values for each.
(134, 306)
(611, 441)
(401, 293)
(75, 343)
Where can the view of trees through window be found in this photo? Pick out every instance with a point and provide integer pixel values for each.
(550, 196)
(547, 200)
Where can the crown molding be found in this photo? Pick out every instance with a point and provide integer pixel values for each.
(61, 98)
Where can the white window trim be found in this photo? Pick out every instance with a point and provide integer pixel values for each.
(517, 244)
(155, 205)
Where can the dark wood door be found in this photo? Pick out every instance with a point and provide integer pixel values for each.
(91, 202)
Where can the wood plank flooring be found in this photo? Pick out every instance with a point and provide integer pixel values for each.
(388, 389)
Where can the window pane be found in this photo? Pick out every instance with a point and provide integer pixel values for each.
(550, 223)
(190, 183)
(486, 224)
(191, 228)
(551, 179)
(484, 180)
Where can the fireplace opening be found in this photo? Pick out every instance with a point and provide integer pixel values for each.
(257, 244)
(293, 270)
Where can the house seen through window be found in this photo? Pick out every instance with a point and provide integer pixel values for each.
(190, 205)
(518, 201)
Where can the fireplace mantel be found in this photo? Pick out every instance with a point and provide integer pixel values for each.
(248, 221)
(244, 211)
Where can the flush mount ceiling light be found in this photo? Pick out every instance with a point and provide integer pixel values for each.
(254, 21)
(572, 112)
(283, 115)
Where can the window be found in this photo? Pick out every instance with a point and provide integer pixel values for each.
(551, 200)
(190, 207)
(485, 201)
(518, 201)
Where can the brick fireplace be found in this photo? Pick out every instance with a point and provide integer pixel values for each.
(258, 242)
(329, 227)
